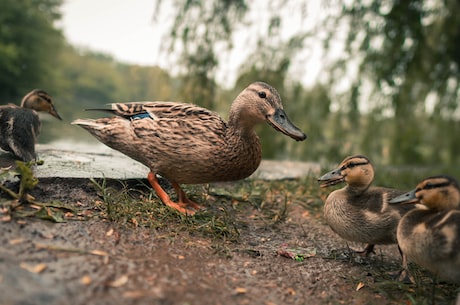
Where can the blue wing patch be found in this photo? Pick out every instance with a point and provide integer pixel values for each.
(140, 116)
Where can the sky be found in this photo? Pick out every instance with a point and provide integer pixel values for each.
(121, 28)
(126, 30)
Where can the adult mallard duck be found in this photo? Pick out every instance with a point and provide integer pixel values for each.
(187, 144)
(360, 212)
(20, 126)
(430, 237)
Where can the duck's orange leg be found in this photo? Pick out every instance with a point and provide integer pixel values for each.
(183, 201)
(182, 197)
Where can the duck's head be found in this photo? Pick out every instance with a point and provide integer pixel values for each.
(356, 171)
(440, 192)
(258, 103)
(39, 100)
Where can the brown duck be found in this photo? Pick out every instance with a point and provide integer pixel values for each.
(430, 237)
(187, 144)
(360, 212)
(20, 126)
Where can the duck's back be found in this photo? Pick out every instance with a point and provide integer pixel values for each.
(19, 128)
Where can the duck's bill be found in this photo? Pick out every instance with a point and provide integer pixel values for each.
(408, 197)
(54, 113)
(332, 178)
(280, 121)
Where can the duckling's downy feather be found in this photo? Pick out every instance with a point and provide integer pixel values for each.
(430, 237)
(20, 126)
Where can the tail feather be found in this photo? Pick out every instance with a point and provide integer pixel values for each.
(101, 109)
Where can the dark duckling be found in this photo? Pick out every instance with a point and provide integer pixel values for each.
(20, 125)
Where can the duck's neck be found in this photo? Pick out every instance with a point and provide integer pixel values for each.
(240, 121)
(357, 189)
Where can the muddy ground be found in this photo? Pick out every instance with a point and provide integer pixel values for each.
(268, 248)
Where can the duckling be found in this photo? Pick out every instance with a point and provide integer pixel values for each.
(430, 237)
(187, 144)
(360, 212)
(20, 126)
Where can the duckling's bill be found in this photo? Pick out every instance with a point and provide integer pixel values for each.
(408, 197)
(280, 121)
(331, 178)
(54, 112)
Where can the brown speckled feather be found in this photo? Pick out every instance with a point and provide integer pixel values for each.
(189, 144)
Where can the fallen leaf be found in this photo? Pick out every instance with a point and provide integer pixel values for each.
(86, 280)
(39, 268)
(360, 286)
(122, 280)
(16, 241)
(240, 290)
(109, 232)
(298, 254)
(99, 253)
(6, 218)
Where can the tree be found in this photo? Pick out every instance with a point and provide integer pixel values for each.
(29, 45)
(398, 61)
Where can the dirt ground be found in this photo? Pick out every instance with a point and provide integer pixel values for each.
(291, 259)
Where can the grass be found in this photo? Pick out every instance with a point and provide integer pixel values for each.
(21, 203)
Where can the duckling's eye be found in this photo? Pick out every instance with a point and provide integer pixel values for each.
(350, 165)
(429, 186)
(262, 94)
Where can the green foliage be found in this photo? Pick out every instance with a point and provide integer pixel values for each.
(53, 211)
(29, 45)
(201, 43)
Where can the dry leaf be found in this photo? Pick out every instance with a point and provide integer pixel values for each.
(240, 290)
(360, 286)
(39, 268)
(99, 253)
(16, 241)
(119, 282)
(109, 233)
(6, 218)
(86, 280)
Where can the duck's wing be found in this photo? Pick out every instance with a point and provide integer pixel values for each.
(156, 110)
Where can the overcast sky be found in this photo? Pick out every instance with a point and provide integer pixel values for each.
(121, 28)
(125, 30)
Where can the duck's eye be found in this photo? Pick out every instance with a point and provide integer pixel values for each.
(262, 94)
(429, 186)
(350, 165)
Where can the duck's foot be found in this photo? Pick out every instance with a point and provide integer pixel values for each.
(366, 251)
(404, 276)
(184, 199)
(184, 205)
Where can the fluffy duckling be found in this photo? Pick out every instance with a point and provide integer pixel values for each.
(20, 126)
(360, 212)
(187, 144)
(430, 237)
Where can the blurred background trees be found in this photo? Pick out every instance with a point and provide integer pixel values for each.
(379, 78)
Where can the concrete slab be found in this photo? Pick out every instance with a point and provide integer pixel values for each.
(95, 160)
